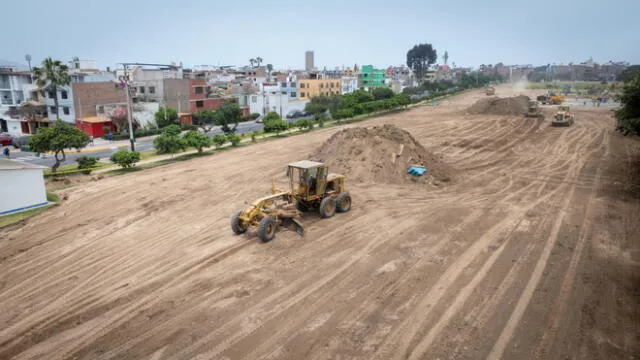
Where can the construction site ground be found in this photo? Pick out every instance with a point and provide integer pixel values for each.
(531, 253)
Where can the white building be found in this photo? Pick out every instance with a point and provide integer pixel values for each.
(272, 98)
(349, 84)
(149, 83)
(15, 84)
(23, 186)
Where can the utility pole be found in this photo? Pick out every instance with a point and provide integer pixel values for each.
(127, 88)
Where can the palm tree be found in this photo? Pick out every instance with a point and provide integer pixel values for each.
(52, 75)
(259, 61)
(252, 61)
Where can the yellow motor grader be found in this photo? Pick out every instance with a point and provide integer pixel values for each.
(311, 187)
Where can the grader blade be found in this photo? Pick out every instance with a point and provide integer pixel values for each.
(299, 227)
(296, 224)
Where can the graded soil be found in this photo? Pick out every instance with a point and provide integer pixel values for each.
(531, 253)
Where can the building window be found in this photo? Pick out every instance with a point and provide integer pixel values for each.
(199, 90)
(332, 85)
(101, 109)
(199, 103)
(254, 99)
(65, 110)
(321, 86)
(52, 109)
(64, 95)
(152, 89)
(52, 95)
(141, 89)
(293, 94)
(293, 84)
(302, 85)
(283, 84)
(302, 94)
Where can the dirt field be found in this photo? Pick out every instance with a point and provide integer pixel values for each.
(532, 253)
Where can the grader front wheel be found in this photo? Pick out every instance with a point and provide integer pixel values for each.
(267, 229)
(236, 225)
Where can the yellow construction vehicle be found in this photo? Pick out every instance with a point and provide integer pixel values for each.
(563, 117)
(533, 110)
(311, 187)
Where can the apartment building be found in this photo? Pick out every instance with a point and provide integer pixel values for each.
(15, 88)
(310, 88)
(372, 77)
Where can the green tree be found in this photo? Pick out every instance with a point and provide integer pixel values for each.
(219, 140)
(445, 57)
(205, 119)
(57, 138)
(125, 159)
(420, 57)
(628, 115)
(234, 139)
(362, 96)
(87, 162)
(273, 123)
(258, 61)
(166, 116)
(170, 141)
(52, 75)
(382, 93)
(229, 113)
(197, 140)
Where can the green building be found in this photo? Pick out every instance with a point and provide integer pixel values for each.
(371, 77)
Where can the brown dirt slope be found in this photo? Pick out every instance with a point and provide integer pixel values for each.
(381, 154)
(516, 105)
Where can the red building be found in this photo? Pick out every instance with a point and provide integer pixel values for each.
(95, 126)
(199, 96)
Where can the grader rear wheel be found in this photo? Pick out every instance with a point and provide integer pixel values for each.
(343, 202)
(327, 207)
(267, 229)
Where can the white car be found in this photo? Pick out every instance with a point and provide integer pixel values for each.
(259, 119)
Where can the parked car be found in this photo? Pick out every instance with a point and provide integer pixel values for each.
(6, 139)
(293, 114)
(259, 119)
(20, 141)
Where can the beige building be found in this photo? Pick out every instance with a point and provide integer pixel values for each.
(309, 88)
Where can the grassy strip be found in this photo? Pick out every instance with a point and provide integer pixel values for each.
(17, 217)
(72, 169)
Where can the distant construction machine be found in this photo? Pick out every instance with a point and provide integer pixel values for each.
(311, 187)
(533, 110)
(563, 117)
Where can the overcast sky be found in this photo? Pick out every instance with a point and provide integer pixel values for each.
(376, 32)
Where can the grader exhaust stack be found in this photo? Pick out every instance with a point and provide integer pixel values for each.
(311, 187)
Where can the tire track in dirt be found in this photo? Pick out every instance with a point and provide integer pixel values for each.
(523, 301)
(561, 300)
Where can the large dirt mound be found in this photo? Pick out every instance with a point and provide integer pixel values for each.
(516, 105)
(381, 154)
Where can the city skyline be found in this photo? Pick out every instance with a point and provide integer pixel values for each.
(229, 34)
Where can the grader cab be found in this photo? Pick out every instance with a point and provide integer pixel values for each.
(311, 187)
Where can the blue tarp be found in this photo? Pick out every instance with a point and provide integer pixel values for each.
(416, 170)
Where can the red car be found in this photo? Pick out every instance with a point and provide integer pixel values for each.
(6, 140)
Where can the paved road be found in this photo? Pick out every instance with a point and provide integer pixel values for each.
(141, 145)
